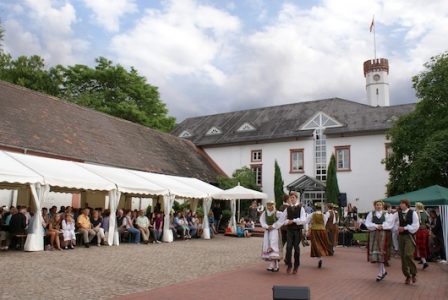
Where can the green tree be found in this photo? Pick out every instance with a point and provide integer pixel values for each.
(419, 140)
(244, 176)
(116, 91)
(107, 88)
(28, 72)
(278, 185)
(332, 187)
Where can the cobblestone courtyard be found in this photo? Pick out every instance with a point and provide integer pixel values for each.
(104, 272)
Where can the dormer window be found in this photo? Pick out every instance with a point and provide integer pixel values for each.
(213, 131)
(185, 134)
(246, 127)
(320, 120)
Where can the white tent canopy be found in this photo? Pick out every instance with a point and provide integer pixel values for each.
(238, 192)
(13, 171)
(41, 173)
(126, 181)
(64, 174)
(207, 203)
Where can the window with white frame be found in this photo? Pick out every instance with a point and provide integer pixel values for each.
(296, 161)
(256, 156)
(258, 170)
(343, 158)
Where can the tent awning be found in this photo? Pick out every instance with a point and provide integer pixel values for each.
(14, 172)
(126, 181)
(433, 195)
(239, 192)
(198, 185)
(175, 187)
(62, 173)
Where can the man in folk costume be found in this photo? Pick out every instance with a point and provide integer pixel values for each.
(272, 220)
(295, 219)
(408, 226)
(422, 236)
(318, 235)
(332, 227)
(379, 224)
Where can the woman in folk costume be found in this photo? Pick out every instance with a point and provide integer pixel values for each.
(272, 220)
(379, 223)
(318, 235)
(422, 235)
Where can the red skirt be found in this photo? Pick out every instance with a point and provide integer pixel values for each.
(422, 241)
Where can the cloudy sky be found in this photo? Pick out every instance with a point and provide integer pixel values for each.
(211, 56)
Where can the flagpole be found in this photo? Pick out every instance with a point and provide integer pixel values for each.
(374, 40)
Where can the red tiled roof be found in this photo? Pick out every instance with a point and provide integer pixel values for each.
(43, 124)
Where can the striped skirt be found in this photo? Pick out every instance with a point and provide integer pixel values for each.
(319, 243)
(378, 249)
(422, 241)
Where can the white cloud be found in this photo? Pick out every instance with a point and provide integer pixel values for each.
(183, 39)
(50, 34)
(18, 40)
(108, 12)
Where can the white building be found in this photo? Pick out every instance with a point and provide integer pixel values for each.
(302, 137)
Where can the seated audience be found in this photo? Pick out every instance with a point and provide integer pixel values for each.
(105, 224)
(127, 222)
(142, 224)
(158, 227)
(54, 229)
(85, 227)
(68, 229)
(17, 226)
(96, 226)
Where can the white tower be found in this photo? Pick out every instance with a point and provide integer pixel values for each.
(376, 72)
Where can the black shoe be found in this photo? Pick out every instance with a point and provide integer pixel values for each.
(87, 245)
(319, 265)
(420, 262)
(425, 265)
(384, 275)
(269, 269)
(275, 270)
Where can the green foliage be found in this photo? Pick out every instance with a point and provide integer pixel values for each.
(278, 186)
(244, 176)
(332, 187)
(107, 88)
(29, 72)
(199, 212)
(148, 210)
(2, 35)
(419, 139)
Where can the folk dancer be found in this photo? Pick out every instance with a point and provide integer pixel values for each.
(318, 235)
(295, 218)
(332, 227)
(379, 224)
(271, 220)
(422, 236)
(408, 226)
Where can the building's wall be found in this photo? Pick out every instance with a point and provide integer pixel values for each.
(368, 177)
(364, 183)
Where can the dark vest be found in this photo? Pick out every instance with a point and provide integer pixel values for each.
(405, 220)
(293, 212)
(380, 220)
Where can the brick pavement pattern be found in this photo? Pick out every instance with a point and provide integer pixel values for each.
(345, 276)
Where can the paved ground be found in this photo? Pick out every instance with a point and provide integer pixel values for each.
(222, 268)
(105, 272)
(347, 275)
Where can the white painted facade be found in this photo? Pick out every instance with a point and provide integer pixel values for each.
(365, 182)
